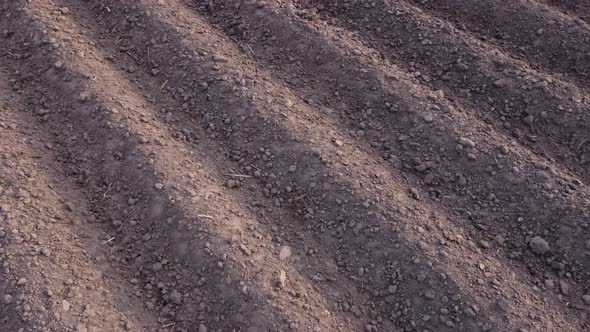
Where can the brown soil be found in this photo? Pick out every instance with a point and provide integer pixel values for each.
(231, 165)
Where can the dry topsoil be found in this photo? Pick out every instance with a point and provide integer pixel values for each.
(305, 165)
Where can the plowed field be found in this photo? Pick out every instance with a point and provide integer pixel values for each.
(304, 165)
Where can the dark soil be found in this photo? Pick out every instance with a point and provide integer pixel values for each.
(188, 165)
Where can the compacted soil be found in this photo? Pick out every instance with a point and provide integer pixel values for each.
(294, 165)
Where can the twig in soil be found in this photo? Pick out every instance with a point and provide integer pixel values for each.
(168, 325)
(104, 196)
(258, 169)
(109, 240)
(163, 85)
(132, 56)
(251, 51)
(204, 216)
(239, 175)
(579, 146)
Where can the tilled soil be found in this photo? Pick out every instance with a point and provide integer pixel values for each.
(244, 165)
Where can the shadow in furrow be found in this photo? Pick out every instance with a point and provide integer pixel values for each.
(142, 53)
(544, 118)
(352, 101)
(525, 29)
(173, 253)
(44, 242)
(281, 140)
(579, 9)
(264, 33)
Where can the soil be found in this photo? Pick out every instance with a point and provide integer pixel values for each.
(247, 165)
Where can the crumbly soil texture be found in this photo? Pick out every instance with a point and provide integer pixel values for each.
(294, 165)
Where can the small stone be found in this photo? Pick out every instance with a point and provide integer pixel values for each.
(64, 10)
(540, 165)
(219, 58)
(484, 244)
(84, 96)
(285, 252)
(202, 328)
(499, 239)
(58, 65)
(429, 294)
(469, 312)
(176, 297)
(46, 251)
(549, 283)
(504, 306)
(564, 286)
(539, 245)
(415, 194)
(21, 281)
(81, 328)
(282, 282)
(586, 298)
(529, 119)
(466, 142)
(500, 83)
(65, 305)
(292, 168)
(429, 178)
(7, 299)
(392, 289)
(159, 186)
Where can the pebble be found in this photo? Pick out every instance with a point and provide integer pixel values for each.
(564, 287)
(282, 279)
(466, 142)
(7, 298)
(484, 244)
(65, 305)
(539, 245)
(176, 297)
(429, 294)
(415, 194)
(285, 252)
(549, 283)
(219, 58)
(157, 267)
(469, 312)
(529, 119)
(500, 83)
(21, 281)
(202, 328)
(159, 186)
(231, 184)
(505, 306)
